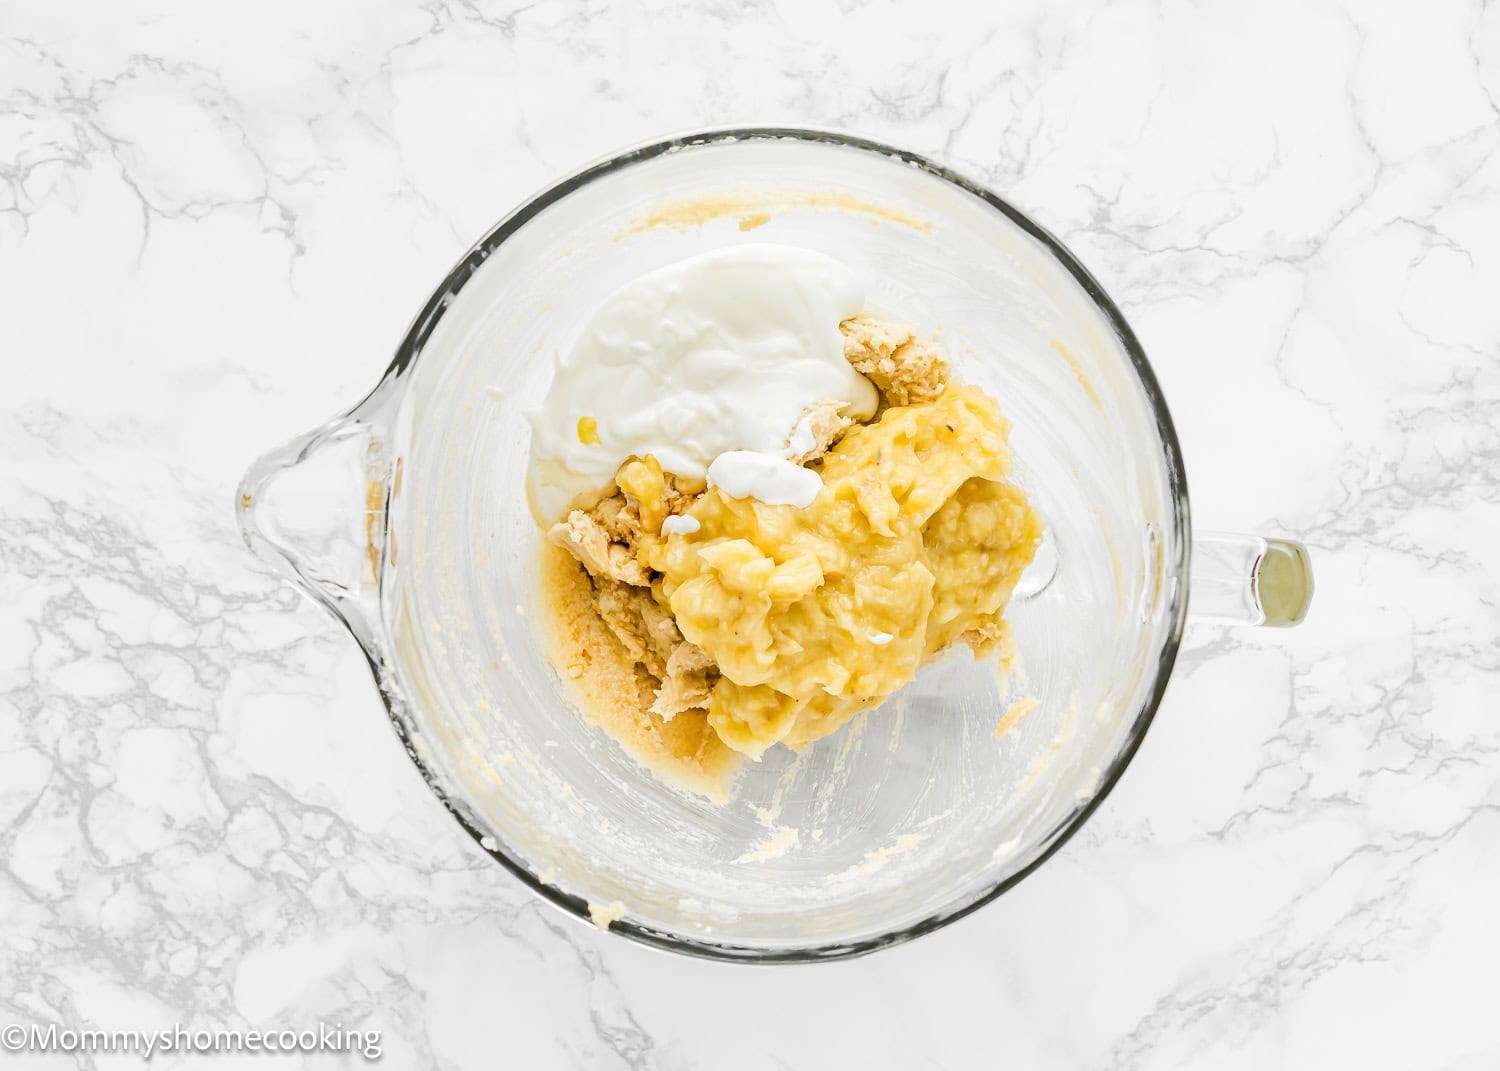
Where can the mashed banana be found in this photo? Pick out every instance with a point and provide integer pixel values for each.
(771, 624)
(815, 614)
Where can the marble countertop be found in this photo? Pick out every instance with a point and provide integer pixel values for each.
(215, 223)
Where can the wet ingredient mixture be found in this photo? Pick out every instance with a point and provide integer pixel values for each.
(765, 511)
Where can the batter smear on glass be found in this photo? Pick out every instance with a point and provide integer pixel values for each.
(765, 511)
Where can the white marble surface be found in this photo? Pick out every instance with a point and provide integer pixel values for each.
(215, 222)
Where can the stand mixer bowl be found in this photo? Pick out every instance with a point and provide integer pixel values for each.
(406, 517)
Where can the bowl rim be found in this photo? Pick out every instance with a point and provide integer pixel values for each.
(432, 311)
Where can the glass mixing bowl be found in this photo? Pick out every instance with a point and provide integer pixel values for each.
(406, 517)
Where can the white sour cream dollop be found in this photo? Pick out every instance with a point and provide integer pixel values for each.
(716, 354)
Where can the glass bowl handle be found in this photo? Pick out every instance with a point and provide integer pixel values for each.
(314, 510)
(1249, 580)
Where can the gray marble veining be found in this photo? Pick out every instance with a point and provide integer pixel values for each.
(214, 223)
